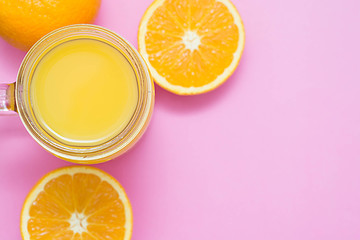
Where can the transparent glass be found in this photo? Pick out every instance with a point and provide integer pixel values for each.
(7, 99)
(16, 97)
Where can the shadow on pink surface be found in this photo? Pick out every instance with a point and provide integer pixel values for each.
(193, 103)
(12, 58)
(11, 127)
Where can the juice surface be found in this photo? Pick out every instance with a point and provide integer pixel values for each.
(83, 92)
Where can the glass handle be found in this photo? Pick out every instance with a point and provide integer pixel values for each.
(7, 99)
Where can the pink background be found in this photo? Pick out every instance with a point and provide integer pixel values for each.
(272, 154)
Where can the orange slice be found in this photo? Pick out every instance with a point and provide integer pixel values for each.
(191, 46)
(77, 203)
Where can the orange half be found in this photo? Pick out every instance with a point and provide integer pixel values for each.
(191, 46)
(77, 203)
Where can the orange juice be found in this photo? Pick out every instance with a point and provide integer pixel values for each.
(84, 92)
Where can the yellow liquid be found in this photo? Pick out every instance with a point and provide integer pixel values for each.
(83, 92)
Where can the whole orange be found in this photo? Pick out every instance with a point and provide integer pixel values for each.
(23, 22)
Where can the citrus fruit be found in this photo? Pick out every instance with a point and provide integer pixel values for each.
(23, 22)
(191, 46)
(76, 203)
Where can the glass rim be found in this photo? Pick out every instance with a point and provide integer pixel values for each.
(114, 146)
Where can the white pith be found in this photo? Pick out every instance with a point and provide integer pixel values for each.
(78, 223)
(191, 40)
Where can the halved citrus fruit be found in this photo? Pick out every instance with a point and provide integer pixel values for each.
(191, 46)
(77, 203)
